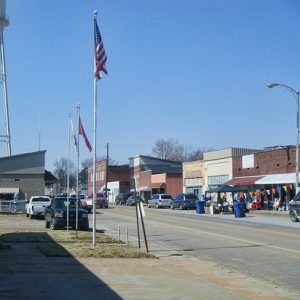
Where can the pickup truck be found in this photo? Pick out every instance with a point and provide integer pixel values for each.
(37, 205)
(101, 201)
(56, 214)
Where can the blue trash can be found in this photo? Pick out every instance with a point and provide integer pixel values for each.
(202, 205)
(239, 211)
(197, 207)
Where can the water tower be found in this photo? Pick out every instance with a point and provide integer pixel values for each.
(3, 23)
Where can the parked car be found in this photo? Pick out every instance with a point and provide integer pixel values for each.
(36, 206)
(184, 201)
(101, 201)
(121, 198)
(134, 199)
(56, 214)
(160, 200)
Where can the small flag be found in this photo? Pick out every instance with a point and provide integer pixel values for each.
(74, 136)
(82, 132)
(100, 55)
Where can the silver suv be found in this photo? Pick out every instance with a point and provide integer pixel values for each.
(160, 200)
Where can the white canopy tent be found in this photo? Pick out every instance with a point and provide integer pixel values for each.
(278, 179)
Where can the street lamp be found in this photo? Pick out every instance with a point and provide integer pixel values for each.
(296, 95)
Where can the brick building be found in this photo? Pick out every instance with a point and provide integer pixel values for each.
(154, 175)
(114, 174)
(277, 160)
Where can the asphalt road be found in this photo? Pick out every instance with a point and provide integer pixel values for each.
(263, 247)
(201, 257)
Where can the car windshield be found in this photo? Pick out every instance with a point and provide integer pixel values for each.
(166, 197)
(62, 203)
(40, 199)
(191, 196)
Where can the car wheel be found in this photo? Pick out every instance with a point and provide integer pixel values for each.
(47, 224)
(172, 207)
(52, 225)
(294, 216)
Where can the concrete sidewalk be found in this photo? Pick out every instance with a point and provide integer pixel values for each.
(27, 274)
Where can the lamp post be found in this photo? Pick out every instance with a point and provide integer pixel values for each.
(296, 95)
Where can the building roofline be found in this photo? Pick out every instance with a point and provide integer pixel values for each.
(22, 154)
(157, 158)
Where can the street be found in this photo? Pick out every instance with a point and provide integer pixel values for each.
(200, 257)
(263, 247)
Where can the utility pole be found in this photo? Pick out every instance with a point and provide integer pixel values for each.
(106, 175)
(3, 23)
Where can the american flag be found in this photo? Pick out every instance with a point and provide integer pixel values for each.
(100, 55)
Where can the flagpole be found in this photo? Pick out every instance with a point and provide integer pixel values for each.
(94, 163)
(77, 179)
(68, 170)
(94, 154)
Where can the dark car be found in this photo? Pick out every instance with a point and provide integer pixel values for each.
(184, 201)
(56, 214)
(134, 199)
(121, 198)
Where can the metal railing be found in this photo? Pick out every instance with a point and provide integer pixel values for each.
(11, 206)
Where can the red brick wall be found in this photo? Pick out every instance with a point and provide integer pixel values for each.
(115, 173)
(144, 179)
(118, 173)
(276, 161)
(173, 184)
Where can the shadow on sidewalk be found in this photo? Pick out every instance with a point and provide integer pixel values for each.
(34, 266)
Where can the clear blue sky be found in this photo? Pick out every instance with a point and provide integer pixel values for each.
(195, 71)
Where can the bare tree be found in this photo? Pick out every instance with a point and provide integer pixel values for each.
(168, 149)
(61, 171)
(172, 150)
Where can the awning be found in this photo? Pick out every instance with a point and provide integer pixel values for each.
(158, 185)
(9, 190)
(237, 181)
(143, 189)
(278, 179)
(224, 189)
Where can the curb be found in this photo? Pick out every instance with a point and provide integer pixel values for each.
(270, 213)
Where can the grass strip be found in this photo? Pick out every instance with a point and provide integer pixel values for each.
(65, 244)
(86, 250)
